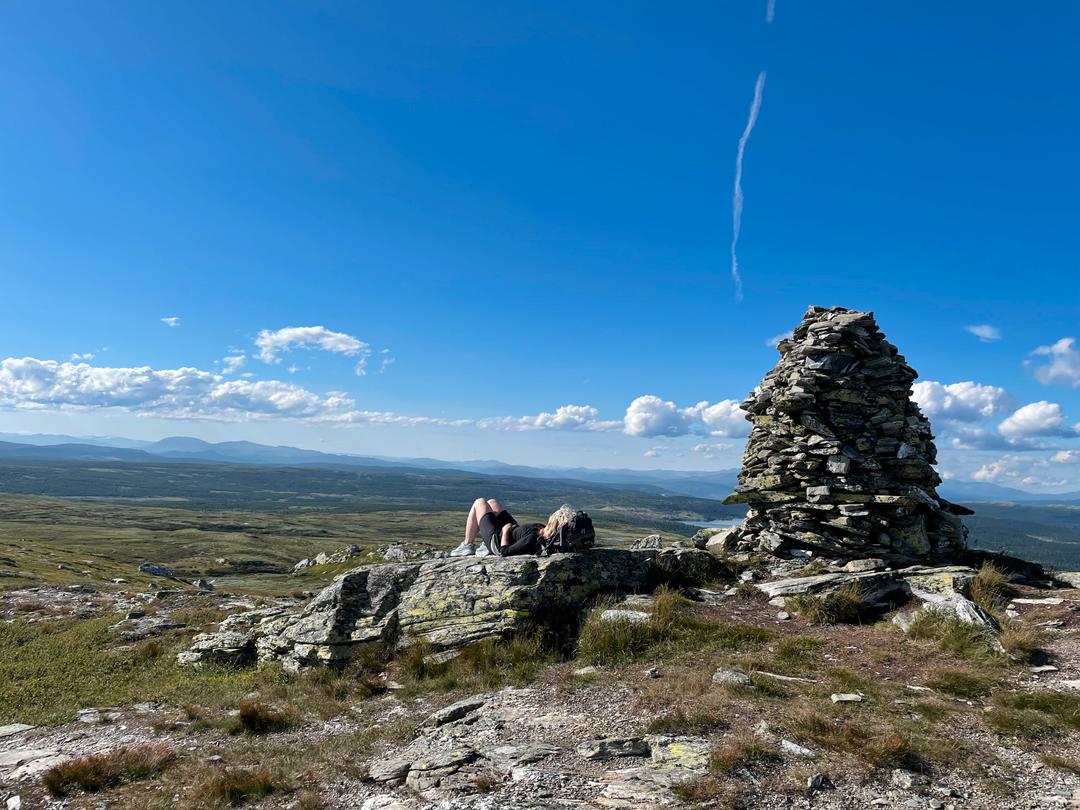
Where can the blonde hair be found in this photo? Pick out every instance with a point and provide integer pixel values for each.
(559, 518)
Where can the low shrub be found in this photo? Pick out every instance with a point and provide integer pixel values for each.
(100, 771)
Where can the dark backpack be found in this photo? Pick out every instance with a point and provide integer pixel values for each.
(576, 535)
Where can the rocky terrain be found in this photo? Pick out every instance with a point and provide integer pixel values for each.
(841, 648)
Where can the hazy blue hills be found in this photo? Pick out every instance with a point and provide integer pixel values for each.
(698, 484)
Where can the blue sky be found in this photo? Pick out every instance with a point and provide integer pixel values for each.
(508, 210)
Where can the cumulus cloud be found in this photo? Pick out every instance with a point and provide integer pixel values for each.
(565, 417)
(984, 332)
(651, 453)
(272, 344)
(960, 402)
(1066, 457)
(171, 321)
(652, 416)
(1036, 419)
(1063, 367)
(29, 383)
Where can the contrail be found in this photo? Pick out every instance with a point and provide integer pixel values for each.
(737, 195)
(770, 11)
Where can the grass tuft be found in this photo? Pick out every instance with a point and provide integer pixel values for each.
(672, 629)
(743, 752)
(877, 745)
(100, 771)
(233, 787)
(696, 721)
(845, 605)
(961, 683)
(1023, 642)
(259, 717)
(989, 587)
(967, 641)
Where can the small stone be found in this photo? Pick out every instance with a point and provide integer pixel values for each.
(631, 616)
(819, 781)
(859, 566)
(731, 676)
(907, 780)
(783, 615)
(586, 672)
(14, 803)
(651, 672)
(937, 804)
(796, 749)
(1044, 668)
(846, 697)
(215, 758)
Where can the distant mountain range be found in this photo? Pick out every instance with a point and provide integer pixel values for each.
(708, 484)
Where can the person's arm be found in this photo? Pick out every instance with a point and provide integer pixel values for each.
(509, 527)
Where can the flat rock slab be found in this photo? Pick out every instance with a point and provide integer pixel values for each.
(846, 697)
(14, 728)
(613, 747)
(20, 756)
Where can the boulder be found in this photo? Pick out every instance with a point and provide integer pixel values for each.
(155, 570)
(652, 541)
(721, 541)
(446, 603)
(613, 747)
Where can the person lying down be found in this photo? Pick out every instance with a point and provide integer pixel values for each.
(490, 529)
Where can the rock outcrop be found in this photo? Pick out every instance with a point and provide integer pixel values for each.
(840, 458)
(445, 603)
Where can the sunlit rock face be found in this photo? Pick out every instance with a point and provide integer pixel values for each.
(840, 457)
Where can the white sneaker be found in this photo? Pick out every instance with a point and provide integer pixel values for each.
(483, 551)
(464, 550)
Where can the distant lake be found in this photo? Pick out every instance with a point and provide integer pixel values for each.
(714, 524)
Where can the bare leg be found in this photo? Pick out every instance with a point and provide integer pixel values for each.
(479, 508)
(496, 507)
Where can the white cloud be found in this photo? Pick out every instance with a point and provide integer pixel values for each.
(272, 343)
(984, 332)
(1066, 457)
(737, 192)
(233, 363)
(565, 417)
(960, 402)
(85, 356)
(651, 453)
(991, 471)
(29, 383)
(171, 321)
(1036, 419)
(711, 449)
(1063, 367)
(774, 341)
(652, 416)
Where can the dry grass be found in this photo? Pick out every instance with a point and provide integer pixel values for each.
(880, 746)
(845, 605)
(259, 717)
(741, 753)
(100, 771)
(309, 800)
(693, 721)
(1063, 764)
(1022, 641)
(672, 629)
(952, 635)
(232, 787)
(989, 587)
(961, 683)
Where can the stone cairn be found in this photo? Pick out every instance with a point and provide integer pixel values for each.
(839, 457)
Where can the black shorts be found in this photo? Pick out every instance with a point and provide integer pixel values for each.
(491, 523)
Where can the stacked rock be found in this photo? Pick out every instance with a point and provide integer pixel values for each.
(839, 457)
